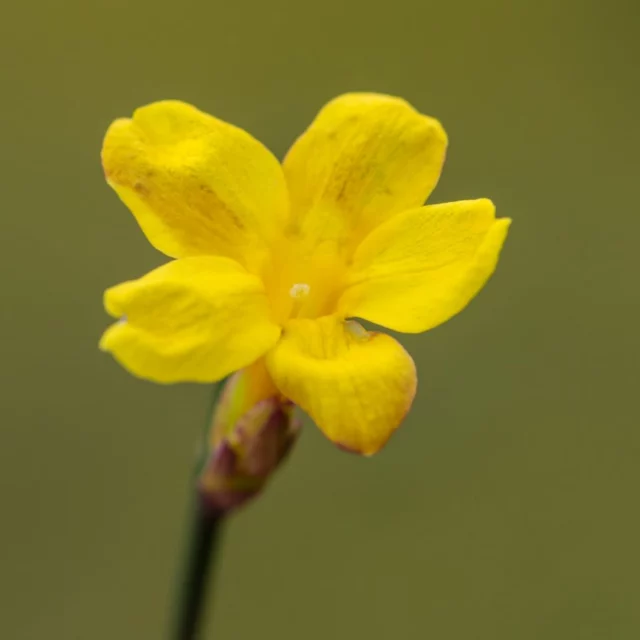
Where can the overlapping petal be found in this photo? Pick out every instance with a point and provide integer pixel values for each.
(364, 158)
(357, 386)
(196, 184)
(425, 265)
(194, 319)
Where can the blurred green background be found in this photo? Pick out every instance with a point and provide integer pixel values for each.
(507, 506)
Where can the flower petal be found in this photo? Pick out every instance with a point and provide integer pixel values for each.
(191, 320)
(357, 386)
(195, 184)
(364, 158)
(425, 265)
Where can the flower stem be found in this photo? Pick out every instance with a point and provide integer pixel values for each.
(201, 559)
(202, 553)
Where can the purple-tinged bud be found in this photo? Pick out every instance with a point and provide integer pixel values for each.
(245, 456)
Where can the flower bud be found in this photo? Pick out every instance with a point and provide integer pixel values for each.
(245, 450)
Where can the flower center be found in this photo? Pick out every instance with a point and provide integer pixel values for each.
(302, 283)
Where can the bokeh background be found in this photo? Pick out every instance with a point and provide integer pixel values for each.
(507, 506)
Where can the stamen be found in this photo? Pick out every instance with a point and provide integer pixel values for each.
(299, 291)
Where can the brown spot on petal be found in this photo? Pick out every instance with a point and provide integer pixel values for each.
(141, 188)
(344, 447)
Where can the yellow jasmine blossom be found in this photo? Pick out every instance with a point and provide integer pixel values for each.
(273, 261)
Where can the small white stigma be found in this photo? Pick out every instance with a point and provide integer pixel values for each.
(299, 291)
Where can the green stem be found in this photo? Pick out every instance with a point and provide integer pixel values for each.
(202, 551)
(202, 558)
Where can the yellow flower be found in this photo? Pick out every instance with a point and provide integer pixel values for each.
(273, 261)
